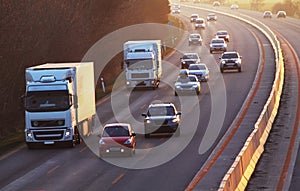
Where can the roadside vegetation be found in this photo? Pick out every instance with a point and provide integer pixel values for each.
(37, 32)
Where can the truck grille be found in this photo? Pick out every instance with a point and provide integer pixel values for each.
(48, 123)
(140, 75)
(48, 135)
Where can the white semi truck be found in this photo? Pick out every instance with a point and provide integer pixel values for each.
(59, 103)
(143, 63)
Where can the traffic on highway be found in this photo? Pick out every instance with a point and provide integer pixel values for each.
(171, 122)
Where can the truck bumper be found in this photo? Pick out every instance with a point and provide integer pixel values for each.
(48, 136)
(151, 83)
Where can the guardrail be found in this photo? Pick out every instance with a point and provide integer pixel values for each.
(239, 173)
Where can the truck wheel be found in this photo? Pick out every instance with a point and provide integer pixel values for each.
(77, 137)
(31, 146)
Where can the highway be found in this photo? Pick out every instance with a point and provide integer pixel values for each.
(160, 163)
(278, 167)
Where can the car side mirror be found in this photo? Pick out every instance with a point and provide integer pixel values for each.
(144, 114)
(133, 134)
(220, 58)
(178, 113)
(241, 57)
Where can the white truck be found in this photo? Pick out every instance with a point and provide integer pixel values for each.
(59, 103)
(143, 63)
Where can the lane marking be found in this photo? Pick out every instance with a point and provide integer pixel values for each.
(52, 169)
(118, 178)
(12, 152)
(83, 149)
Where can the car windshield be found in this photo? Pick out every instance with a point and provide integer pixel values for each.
(194, 16)
(221, 33)
(190, 56)
(194, 36)
(115, 131)
(217, 41)
(231, 55)
(161, 111)
(197, 67)
(199, 21)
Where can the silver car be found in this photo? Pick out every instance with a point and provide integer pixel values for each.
(199, 70)
(187, 84)
(195, 38)
(217, 44)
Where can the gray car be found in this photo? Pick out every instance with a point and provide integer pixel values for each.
(189, 58)
(162, 118)
(187, 85)
(195, 38)
(199, 70)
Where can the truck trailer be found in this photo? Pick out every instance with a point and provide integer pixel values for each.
(59, 103)
(143, 63)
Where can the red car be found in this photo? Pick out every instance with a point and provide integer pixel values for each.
(117, 139)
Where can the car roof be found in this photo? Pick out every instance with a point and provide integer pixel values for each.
(193, 34)
(222, 31)
(200, 64)
(195, 14)
(117, 124)
(190, 53)
(161, 104)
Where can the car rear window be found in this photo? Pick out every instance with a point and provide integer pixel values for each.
(115, 131)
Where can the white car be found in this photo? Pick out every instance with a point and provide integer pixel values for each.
(234, 7)
(194, 17)
(217, 44)
(199, 70)
(187, 84)
(200, 23)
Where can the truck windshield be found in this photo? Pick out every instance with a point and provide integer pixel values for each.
(140, 64)
(37, 101)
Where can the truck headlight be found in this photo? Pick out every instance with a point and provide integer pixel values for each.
(29, 134)
(68, 133)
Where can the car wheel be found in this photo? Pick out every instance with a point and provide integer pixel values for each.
(147, 135)
(222, 70)
(211, 51)
(240, 69)
(198, 92)
(175, 93)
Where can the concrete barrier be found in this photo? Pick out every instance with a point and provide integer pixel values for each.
(240, 172)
